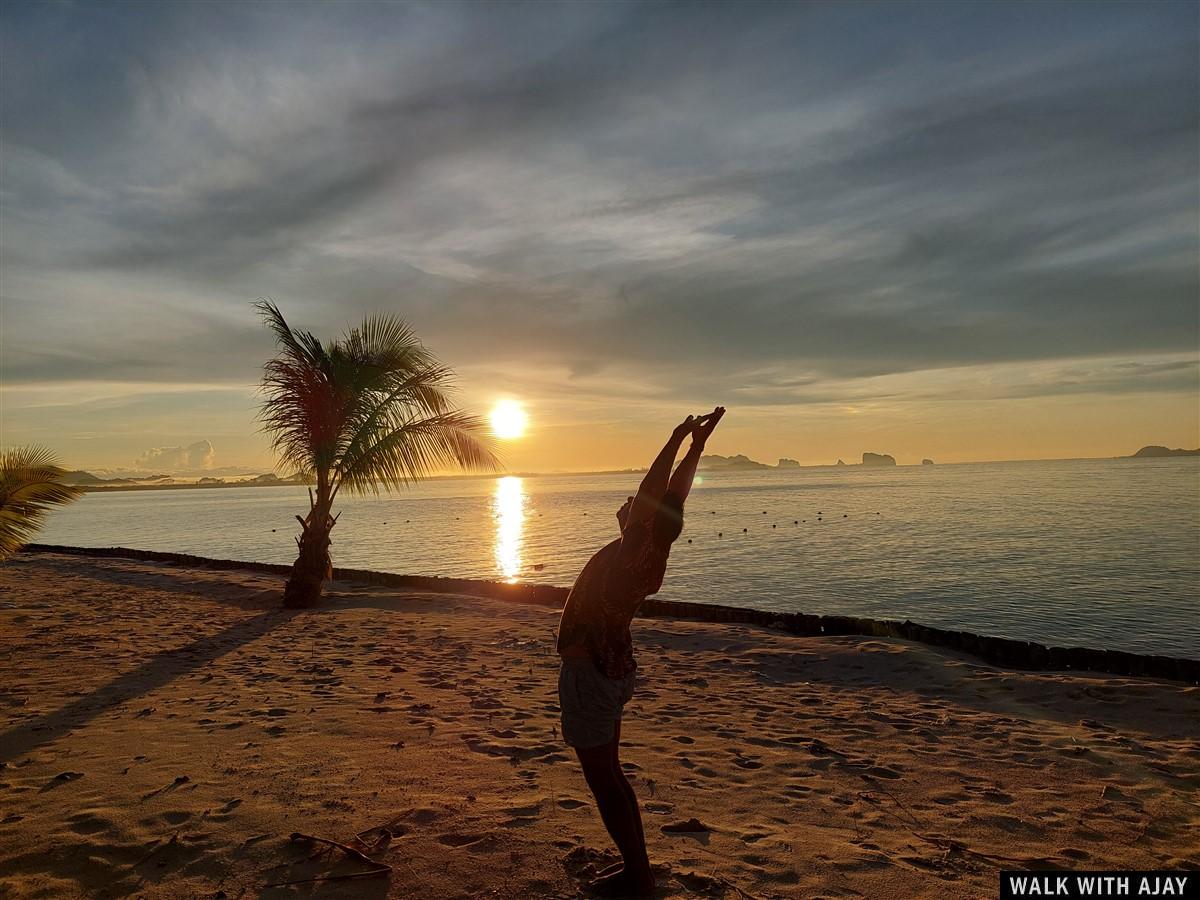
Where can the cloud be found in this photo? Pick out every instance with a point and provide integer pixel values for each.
(690, 193)
(177, 460)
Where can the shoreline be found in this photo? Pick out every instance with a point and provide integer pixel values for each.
(1024, 655)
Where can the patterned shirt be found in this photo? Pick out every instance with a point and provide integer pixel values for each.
(606, 596)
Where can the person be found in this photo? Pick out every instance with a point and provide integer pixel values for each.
(597, 675)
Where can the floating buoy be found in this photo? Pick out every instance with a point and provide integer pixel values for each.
(764, 512)
(797, 522)
(272, 531)
(772, 525)
(743, 531)
(845, 516)
(720, 534)
(689, 540)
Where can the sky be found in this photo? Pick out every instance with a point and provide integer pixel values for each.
(964, 231)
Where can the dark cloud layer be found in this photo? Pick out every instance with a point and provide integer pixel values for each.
(701, 190)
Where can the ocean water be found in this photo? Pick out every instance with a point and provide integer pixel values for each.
(1098, 553)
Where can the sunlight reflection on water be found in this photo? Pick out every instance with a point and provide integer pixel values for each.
(508, 509)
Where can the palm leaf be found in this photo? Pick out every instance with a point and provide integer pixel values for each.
(416, 449)
(30, 486)
(301, 407)
(373, 407)
(420, 394)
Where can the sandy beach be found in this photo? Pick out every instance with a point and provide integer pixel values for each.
(167, 730)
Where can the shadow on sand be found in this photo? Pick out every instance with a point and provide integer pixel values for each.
(155, 672)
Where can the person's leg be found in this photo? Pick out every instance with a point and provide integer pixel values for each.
(630, 795)
(618, 810)
(591, 709)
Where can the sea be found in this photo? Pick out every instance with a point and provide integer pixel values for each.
(1093, 553)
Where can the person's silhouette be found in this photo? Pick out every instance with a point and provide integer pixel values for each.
(597, 675)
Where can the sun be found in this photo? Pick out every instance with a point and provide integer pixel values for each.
(508, 419)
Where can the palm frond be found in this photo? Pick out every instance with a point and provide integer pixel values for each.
(299, 345)
(374, 406)
(30, 486)
(301, 408)
(416, 449)
(389, 340)
(418, 394)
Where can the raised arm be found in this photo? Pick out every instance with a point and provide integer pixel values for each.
(685, 474)
(654, 484)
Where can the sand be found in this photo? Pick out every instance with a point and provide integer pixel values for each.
(165, 731)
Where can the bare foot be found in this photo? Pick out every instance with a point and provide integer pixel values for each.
(622, 884)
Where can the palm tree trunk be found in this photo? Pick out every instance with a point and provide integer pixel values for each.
(313, 565)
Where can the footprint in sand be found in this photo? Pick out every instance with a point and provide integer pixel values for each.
(520, 822)
(225, 813)
(531, 809)
(882, 772)
(88, 823)
(571, 803)
(422, 815)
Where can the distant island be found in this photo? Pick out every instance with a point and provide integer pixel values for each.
(81, 478)
(878, 459)
(90, 482)
(1154, 451)
(743, 463)
(731, 462)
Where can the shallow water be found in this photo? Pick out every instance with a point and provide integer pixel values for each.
(1100, 553)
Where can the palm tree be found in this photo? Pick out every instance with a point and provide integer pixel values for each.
(372, 408)
(30, 485)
